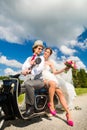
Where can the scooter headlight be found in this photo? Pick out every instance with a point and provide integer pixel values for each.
(13, 85)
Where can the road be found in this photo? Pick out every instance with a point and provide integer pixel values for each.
(55, 123)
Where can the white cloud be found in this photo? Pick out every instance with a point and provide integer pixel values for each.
(55, 21)
(72, 43)
(82, 45)
(11, 63)
(67, 51)
(8, 34)
(9, 71)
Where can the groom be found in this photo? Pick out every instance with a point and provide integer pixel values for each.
(36, 81)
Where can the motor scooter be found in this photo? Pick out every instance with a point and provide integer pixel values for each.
(12, 101)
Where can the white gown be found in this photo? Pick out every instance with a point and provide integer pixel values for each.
(48, 75)
(62, 83)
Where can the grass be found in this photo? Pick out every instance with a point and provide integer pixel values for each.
(80, 91)
(21, 98)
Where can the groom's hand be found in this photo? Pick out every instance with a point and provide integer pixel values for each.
(32, 62)
(26, 71)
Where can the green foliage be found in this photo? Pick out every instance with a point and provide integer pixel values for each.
(80, 78)
(3, 77)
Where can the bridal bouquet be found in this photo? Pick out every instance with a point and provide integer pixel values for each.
(70, 64)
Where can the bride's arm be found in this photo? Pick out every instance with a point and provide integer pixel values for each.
(57, 71)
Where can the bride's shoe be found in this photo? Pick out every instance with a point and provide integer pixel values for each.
(51, 111)
(69, 122)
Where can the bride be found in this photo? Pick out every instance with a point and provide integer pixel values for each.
(54, 83)
(63, 80)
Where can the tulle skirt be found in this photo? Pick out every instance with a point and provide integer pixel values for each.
(47, 75)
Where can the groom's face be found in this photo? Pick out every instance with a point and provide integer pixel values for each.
(38, 50)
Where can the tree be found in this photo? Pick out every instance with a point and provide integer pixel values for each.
(80, 78)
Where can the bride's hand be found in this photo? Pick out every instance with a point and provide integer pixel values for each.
(67, 68)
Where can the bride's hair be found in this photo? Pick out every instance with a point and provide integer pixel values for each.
(48, 48)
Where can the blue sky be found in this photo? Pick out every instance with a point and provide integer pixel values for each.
(60, 24)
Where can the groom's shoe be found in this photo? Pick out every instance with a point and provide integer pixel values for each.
(29, 111)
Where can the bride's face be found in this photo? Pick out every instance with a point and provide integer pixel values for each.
(47, 53)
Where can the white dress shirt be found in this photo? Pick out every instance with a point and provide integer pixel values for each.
(37, 69)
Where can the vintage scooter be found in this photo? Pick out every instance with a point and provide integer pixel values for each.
(10, 95)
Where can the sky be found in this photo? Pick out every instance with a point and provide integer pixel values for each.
(60, 24)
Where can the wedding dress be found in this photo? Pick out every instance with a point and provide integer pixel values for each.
(48, 75)
(62, 82)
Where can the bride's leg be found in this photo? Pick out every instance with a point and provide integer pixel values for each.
(61, 98)
(52, 87)
(64, 103)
